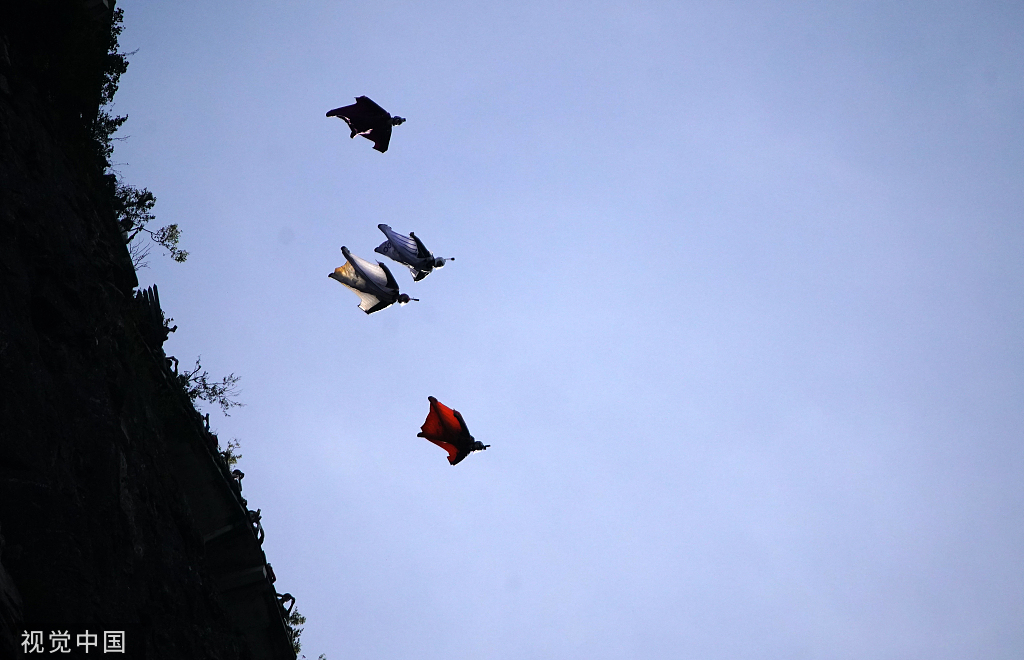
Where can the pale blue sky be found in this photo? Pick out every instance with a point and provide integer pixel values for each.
(738, 303)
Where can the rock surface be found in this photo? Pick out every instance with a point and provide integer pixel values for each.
(99, 527)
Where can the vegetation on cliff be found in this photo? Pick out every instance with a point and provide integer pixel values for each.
(133, 206)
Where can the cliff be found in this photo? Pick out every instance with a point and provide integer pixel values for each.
(117, 511)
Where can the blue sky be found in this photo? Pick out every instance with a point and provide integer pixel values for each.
(738, 303)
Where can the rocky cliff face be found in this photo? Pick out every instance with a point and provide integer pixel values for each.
(106, 472)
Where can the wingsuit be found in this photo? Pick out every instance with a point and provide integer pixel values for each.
(373, 283)
(366, 118)
(409, 251)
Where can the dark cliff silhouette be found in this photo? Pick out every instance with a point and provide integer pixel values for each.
(117, 509)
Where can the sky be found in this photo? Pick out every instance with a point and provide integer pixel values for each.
(738, 303)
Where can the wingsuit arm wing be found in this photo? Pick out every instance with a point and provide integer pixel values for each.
(367, 105)
(392, 284)
(403, 248)
(421, 250)
(453, 453)
(381, 137)
(363, 109)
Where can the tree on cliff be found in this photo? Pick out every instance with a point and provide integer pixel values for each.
(134, 209)
(133, 206)
(198, 385)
